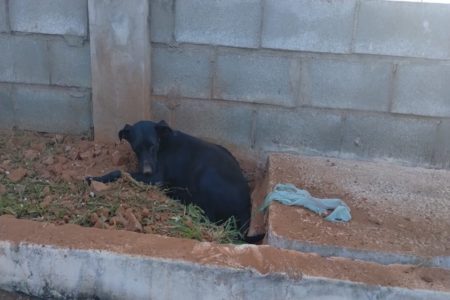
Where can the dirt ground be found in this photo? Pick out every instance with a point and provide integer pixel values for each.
(42, 179)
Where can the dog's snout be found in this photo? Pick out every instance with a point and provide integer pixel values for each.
(147, 169)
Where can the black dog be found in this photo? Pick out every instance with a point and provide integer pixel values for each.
(193, 171)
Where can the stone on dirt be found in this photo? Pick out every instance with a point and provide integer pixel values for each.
(2, 189)
(46, 202)
(99, 187)
(119, 159)
(133, 222)
(30, 154)
(17, 174)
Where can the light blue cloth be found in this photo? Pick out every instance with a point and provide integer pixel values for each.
(288, 194)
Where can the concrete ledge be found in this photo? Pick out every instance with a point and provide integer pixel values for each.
(399, 214)
(380, 257)
(72, 262)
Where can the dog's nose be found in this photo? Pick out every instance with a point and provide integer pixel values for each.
(147, 170)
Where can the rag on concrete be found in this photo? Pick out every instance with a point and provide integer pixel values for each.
(289, 194)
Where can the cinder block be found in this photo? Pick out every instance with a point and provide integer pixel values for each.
(160, 110)
(307, 131)
(308, 25)
(389, 137)
(403, 29)
(6, 106)
(229, 23)
(221, 122)
(70, 65)
(24, 59)
(441, 157)
(252, 77)
(67, 17)
(53, 109)
(347, 84)
(4, 26)
(182, 71)
(423, 90)
(162, 21)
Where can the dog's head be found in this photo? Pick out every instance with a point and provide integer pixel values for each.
(145, 137)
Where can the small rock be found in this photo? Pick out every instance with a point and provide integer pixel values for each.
(49, 161)
(133, 223)
(148, 229)
(61, 159)
(101, 224)
(145, 212)
(17, 174)
(67, 175)
(119, 159)
(97, 150)
(426, 278)
(86, 155)
(38, 146)
(99, 186)
(2, 189)
(46, 191)
(56, 169)
(59, 138)
(104, 212)
(94, 218)
(46, 202)
(118, 220)
(30, 154)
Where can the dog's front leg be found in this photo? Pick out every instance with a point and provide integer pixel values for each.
(110, 177)
(154, 179)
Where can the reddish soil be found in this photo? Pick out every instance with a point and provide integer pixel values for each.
(42, 178)
(394, 209)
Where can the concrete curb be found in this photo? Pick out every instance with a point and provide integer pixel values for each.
(63, 273)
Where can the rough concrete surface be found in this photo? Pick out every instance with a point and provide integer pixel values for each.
(67, 17)
(231, 23)
(69, 261)
(308, 25)
(120, 60)
(399, 214)
(415, 29)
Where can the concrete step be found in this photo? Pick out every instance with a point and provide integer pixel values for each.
(400, 214)
(69, 261)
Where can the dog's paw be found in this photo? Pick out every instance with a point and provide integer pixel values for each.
(89, 179)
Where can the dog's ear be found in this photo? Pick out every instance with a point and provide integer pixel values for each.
(162, 128)
(125, 132)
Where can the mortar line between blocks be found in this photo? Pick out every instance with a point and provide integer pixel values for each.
(355, 25)
(253, 129)
(213, 70)
(262, 4)
(174, 22)
(8, 18)
(392, 87)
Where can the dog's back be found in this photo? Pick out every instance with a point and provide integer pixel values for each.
(210, 175)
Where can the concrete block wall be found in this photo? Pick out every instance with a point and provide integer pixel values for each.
(45, 81)
(363, 79)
